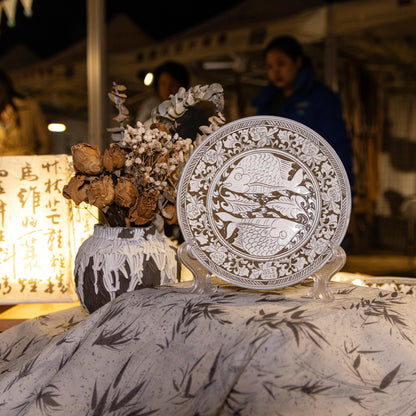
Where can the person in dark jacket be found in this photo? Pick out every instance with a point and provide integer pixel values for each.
(293, 92)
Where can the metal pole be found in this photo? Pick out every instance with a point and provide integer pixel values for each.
(96, 73)
(330, 50)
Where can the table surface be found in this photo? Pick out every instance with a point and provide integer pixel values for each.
(11, 315)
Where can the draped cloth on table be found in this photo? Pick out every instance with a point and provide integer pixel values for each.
(166, 351)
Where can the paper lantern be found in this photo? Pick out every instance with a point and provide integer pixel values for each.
(40, 230)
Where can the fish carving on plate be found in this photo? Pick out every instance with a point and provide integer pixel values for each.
(264, 173)
(264, 199)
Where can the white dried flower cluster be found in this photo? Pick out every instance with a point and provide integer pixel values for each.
(153, 157)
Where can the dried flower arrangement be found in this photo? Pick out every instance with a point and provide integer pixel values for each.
(134, 182)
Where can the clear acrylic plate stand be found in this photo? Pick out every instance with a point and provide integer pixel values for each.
(202, 277)
(321, 289)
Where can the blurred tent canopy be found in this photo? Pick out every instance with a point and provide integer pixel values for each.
(379, 33)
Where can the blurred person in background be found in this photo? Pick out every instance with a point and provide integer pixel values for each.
(23, 128)
(168, 78)
(293, 92)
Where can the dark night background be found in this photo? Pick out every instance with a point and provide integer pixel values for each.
(56, 25)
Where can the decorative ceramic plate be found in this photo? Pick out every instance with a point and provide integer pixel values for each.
(263, 198)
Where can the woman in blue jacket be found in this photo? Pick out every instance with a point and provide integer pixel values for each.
(293, 92)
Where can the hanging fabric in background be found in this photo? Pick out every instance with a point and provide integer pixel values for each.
(10, 6)
(27, 7)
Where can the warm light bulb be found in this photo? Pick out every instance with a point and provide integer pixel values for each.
(148, 79)
(56, 127)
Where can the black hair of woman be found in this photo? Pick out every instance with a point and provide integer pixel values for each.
(175, 70)
(291, 47)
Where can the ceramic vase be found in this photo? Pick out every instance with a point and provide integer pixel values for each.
(115, 260)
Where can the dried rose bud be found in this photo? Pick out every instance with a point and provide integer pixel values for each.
(170, 214)
(113, 158)
(76, 189)
(125, 193)
(101, 192)
(87, 159)
(144, 209)
(160, 127)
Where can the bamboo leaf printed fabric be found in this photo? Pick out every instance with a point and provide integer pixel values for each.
(165, 351)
